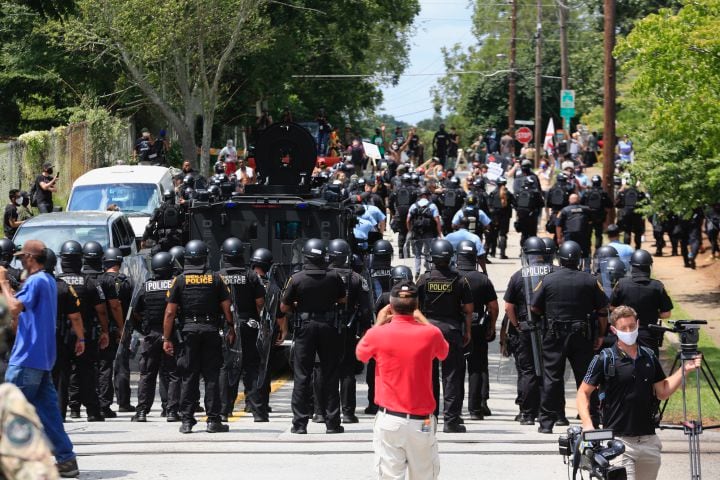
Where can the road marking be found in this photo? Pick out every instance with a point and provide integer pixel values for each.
(238, 414)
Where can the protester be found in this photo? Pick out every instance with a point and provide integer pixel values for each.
(45, 186)
(11, 219)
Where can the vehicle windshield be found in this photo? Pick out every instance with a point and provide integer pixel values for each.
(55, 235)
(129, 198)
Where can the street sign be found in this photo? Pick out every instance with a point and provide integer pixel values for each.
(525, 122)
(567, 113)
(567, 99)
(524, 135)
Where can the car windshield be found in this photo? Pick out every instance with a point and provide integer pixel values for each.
(55, 235)
(128, 197)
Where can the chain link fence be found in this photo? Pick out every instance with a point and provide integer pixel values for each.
(70, 151)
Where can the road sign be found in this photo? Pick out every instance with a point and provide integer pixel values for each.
(525, 122)
(567, 99)
(567, 112)
(524, 135)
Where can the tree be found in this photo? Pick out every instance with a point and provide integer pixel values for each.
(176, 53)
(674, 59)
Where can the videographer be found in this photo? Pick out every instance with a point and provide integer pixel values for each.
(631, 380)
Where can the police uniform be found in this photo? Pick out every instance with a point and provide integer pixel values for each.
(261, 395)
(442, 294)
(399, 203)
(629, 220)
(500, 221)
(68, 304)
(198, 294)
(150, 309)
(528, 203)
(569, 335)
(483, 293)
(245, 289)
(648, 298)
(83, 378)
(314, 293)
(574, 222)
(422, 218)
(165, 227)
(598, 201)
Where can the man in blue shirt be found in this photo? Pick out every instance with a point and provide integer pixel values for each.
(32, 358)
(461, 234)
(624, 250)
(362, 228)
(460, 214)
(376, 216)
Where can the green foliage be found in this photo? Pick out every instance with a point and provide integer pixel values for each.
(104, 131)
(676, 62)
(37, 144)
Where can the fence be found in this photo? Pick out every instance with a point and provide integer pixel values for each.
(71, 152)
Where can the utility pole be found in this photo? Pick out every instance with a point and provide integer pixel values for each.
(609, 101)
(564, 60)
(538, 83)
(512, 86)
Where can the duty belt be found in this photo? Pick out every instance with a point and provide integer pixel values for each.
(208, 319)
(569, 327)
(325, 317)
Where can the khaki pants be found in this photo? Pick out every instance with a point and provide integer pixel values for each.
(400, 446)
(642, 457)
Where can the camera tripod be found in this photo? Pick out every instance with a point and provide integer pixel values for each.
(689, 332)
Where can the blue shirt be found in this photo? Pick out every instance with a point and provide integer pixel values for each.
(361, 230)
(624, 250)
(421, 204)
(482, 217)
(459, 235)
(35, 341)
(373, 214)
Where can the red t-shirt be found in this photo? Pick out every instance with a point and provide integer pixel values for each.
(403, 351)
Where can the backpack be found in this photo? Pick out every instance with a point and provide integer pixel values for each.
(403, 197)
(631, 198)
(595, 200)
(524, 200)
(422, 220)
(170, 217)
(33, 192)
(450, 199)
(496, 202)
(556, 198)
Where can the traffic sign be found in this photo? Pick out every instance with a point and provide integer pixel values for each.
(567, 99)
(567, 112)
(524, 135)
(525, 122)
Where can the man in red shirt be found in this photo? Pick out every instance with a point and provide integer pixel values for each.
(404, 349)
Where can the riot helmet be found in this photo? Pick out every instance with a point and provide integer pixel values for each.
(314, 251)
(471, 200)
(112, 256)
(454, 182)
(50, 261)
(162, 264)
(526, 166)
(196, 253)
(71, 256)
(534, 246)
(596, 181)
(415, 178)
(479, 183)
(441, 252)
(232, 250)
(261, 257)
(188, 194)
(561, 177)
(406, 179)
(570, 254)
(400, 273)
(189, 180)
(219, 167)
(169, 197)
(92, 254)
(616, 269)
(501, 181)
(383, 248)
(606, 251)
(214, 192)
(423, 192)
(550, 248)
(7, 250)
(357, 263)
(641, 258)
(466, 254)
(339, 252)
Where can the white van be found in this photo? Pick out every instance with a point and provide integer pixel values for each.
(136, 189)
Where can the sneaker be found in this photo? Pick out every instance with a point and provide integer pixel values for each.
(68, 469)
(215, 426)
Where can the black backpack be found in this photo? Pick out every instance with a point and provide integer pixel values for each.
(450, 199)
(404, 197)
(422, 220)
(170, 217)
(556, 198)
(33, 192)
(524, 199)
(631, 198)
(496, 202)
(595, 199)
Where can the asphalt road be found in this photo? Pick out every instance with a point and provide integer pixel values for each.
(493, 448)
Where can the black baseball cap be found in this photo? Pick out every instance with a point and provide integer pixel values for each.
(47, 166)
(613, 229)
(404, 289)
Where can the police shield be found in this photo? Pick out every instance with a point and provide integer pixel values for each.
(610, 271)
(534, 268)
(137, 270)
(267, 330)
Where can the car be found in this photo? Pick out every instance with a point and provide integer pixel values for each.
(136, 190)
(109, 229)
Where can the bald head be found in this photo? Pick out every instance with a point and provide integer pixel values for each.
(574, 199)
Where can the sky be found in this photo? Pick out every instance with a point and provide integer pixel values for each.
(439, 24)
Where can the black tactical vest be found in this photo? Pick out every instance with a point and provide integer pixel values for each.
(155, 300)
(442, 295)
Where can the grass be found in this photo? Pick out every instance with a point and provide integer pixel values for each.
(710, 405)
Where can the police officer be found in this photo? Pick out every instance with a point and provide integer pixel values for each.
(123, 289)
(446, 300)
(558, 197)
(165, 225)
(261, 262)
(148, 313)
(568, 335)
(598, 201)
(478, 220)
(248, 299)
(500, 204)
(646, 296)
(525, 172)
(92, 269)
(451, 200)
(573, 223)
(69, 333)
(355, 314)
(7, 250)
(528, 204)
(423, 220)
(485, 315)
(313, 294)
(521, 341)
(201, 300)
(380, 264)
(178, 257)
(630, 221)
(399, 203)
(461, 234)
(83, 379)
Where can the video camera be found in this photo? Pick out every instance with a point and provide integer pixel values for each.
(689, 333)
(585, 450)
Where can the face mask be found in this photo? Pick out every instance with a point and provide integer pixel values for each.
(50, 171)
(19, 201)
(628, 338)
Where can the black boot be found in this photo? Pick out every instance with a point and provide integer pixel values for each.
(216, 426)
(139, 417)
